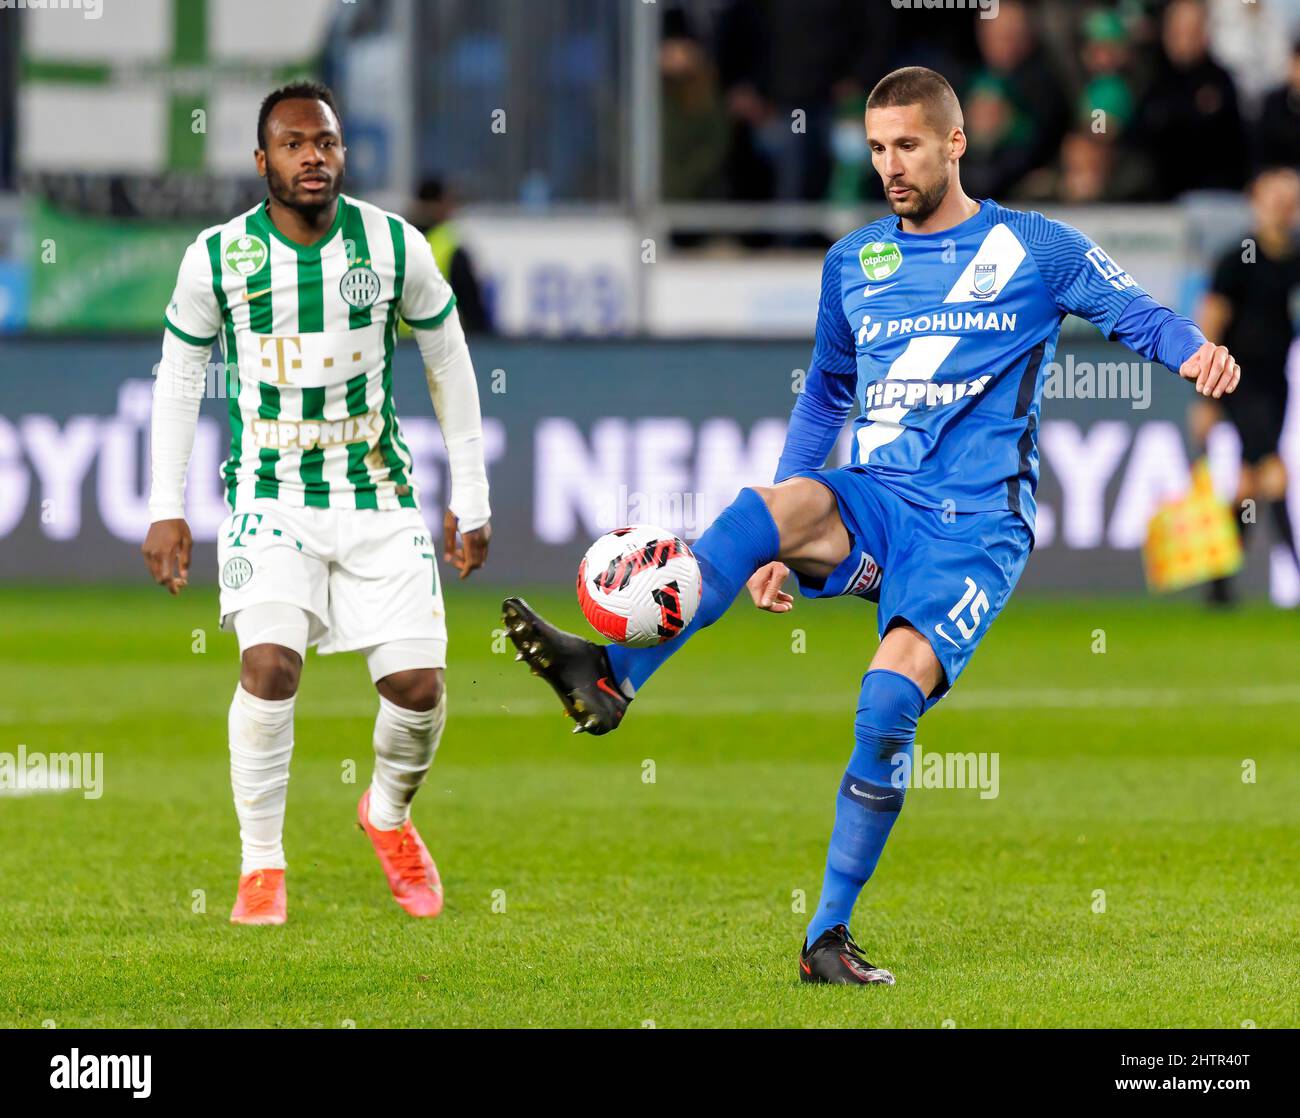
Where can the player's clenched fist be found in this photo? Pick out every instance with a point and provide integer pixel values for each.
(764, 587)
(1213, 369)
(166, 550)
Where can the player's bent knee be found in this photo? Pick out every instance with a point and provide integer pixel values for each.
(905, 651)
(270, 671)
(415, 689)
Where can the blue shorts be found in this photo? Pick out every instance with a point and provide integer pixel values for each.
(946, 574)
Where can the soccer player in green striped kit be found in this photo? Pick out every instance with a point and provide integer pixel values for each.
(325, 543)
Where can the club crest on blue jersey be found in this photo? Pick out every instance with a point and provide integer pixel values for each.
(985, 277)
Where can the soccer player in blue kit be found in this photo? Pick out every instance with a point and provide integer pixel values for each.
(939, 321)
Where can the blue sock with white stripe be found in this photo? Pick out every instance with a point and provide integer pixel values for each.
(888, 709)
(743, 538)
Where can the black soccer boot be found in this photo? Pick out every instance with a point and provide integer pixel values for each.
(837, 961)
(577, 670)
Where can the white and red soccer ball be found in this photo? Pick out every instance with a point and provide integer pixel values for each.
(639, 585)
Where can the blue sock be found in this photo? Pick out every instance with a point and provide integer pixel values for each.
(869, 802)
(743, 538)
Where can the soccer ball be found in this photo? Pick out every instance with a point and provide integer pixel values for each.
(639, 585)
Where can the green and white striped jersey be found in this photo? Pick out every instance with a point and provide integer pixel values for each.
(307, 334)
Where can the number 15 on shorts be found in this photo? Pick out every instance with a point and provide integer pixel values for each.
(977, 602)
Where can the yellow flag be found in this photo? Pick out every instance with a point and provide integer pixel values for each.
(1192, 539)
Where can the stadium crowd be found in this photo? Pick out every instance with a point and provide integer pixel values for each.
(1140, 100)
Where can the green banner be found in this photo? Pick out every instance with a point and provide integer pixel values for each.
(91, 275)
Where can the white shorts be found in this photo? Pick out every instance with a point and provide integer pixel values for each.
(365, 577)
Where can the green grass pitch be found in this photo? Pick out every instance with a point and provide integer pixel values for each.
(673, 901)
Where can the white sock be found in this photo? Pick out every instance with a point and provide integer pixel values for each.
(261, 743)
(405, 742)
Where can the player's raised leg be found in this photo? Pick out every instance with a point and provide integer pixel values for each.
(903, 672)
(408, 728)
(273, 638)
(796, 521)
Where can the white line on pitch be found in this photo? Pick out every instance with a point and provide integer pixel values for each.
(1044, 698)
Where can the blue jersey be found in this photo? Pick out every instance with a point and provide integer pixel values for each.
(943, 339)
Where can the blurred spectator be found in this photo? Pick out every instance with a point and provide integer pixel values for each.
(696, 129)
(779, 58)
(946, 43)
(1108, 102)
(1087, 169)
(852, 177)
(1090, 168)
(1189, 120)
(435, 205)
(1016, 112)
(1107, 84)
(996, 138)
(1278, 134)
(1253, 41)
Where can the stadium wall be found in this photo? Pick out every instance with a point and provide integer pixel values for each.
(580, 438)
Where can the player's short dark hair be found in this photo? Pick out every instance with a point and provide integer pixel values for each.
(917, 85)
(431, 190)
(301, 90)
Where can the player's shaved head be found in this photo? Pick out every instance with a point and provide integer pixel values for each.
(916, 137)
(917, 85)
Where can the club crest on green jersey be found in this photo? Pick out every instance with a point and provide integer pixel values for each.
(359, 286)
(236, 572)
(880, 260)
(246, 254)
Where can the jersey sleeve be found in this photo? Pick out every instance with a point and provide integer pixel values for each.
(833, 348)
(1080, 276)
(192, 314)
(427, 298)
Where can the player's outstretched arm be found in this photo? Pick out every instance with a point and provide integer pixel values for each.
(1163, 335)
(1083, 279)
